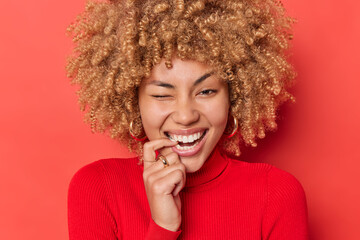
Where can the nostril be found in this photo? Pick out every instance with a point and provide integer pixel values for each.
(186, 116)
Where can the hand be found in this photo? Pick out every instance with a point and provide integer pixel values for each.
(162, 185)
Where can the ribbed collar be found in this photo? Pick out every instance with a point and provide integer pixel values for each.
(212, 168)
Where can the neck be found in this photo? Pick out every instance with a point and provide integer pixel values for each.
(213, 167)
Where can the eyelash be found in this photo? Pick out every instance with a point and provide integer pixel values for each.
(160, 96)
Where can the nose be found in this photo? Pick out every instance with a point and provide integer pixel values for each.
(185, 113)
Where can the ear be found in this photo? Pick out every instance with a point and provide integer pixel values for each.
(231, 127)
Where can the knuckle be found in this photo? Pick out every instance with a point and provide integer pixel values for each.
(173, 156)
(157, 187)
(151, 179)
(157, 165)
(146, 145)
(182, 167)
(178, 173)
(145, 176)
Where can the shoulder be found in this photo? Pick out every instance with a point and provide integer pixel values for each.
(92, 209)
(284, 207)
(277, 182)
(275, 177)
(283, 186)
(285, 215)
(100, 174)
(285, 197)
(107, 166)
(249, 170)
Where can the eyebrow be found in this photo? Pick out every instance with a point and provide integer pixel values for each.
(167, 85)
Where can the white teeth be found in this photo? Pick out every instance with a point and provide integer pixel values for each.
(186, 147)
(186, 139)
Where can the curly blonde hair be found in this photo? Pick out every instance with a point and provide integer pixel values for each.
(118, 42)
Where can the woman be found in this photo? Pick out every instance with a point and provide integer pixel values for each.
(183, 83)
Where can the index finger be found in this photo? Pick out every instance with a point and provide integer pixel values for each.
(150, 148)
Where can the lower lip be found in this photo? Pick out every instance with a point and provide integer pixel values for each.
(192, 151)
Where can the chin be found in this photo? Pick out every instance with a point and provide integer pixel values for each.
(192, 164)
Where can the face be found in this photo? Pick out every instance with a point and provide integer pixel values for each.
(187, 104)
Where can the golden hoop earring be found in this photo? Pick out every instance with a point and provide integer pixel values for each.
(133, 135)
(92, 120)
(236, 125)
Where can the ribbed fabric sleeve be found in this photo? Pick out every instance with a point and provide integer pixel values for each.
(286, 210)
(90, 214)
(225, 199)
(155, 232)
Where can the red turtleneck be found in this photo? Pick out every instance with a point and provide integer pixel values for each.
(225, 199)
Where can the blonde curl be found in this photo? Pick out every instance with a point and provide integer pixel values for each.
(117, 43)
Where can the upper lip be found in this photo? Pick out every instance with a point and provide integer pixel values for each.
(185, 131)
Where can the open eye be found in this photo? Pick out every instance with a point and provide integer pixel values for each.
(207, 92)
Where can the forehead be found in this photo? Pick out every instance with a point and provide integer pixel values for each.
(182, 70)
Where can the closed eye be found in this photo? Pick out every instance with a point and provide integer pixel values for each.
(161, 96)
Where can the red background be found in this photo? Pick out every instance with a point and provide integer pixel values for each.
(43, 139)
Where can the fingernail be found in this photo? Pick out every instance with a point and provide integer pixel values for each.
(173, 141)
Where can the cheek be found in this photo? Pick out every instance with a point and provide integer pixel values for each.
(152, 116)
(220, 116)
(217, 114)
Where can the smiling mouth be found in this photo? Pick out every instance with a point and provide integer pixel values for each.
(187, 142)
